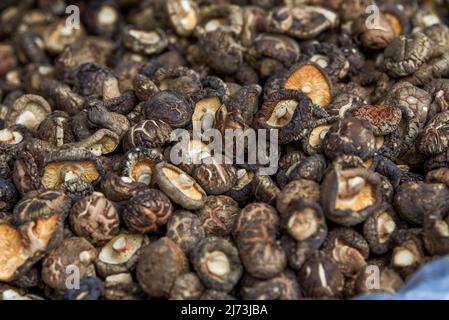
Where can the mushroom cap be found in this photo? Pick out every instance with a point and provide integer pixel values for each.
(42, 203)
(384, 119)
(80, 161)
(313, 81)
(179, 186)
(106, 141)
(29, 110)
(121, 248)
(349, 196)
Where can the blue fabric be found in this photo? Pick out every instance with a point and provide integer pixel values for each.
(431, 282)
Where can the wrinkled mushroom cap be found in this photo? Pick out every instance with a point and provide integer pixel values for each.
(312, 81)
(179, 186)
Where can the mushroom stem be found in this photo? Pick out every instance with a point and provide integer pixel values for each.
(120, 245)
(218, 263)
(6, 136)
(281, 111)
(307, 87)
(207, 120)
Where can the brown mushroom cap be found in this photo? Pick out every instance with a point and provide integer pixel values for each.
(102, 141)
(72, 252)
(384, 119)
(179, 186)
(65, 164)
(349, 196)
(29, 110)
(312, 81)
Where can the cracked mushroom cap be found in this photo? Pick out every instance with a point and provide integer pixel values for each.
(186, 230)
(118, 189)
(349, 196)
(120, 254)
(73, 252)
(28, 110)
(102, 141)
(95, 218)
(147, 134)
(67, 164)
(218, 215)
(295, 190)
(350, 136)
(140, 164)
(180, 187)
(147, 211)
(215, 177)
(42, 204)
(311, 80)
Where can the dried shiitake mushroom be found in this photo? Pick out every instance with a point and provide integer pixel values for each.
(296, 190)
(255, 236)
(218, 215)
(74, 251)
(186, 230)
(140, 164)
(28, 110)
(56, 129)
(408, 252)
(102, 141)
(144, 41)
(313, 140)
(69, 164)
(13, 138)
(217, 263)
(406, 53)
(147, 134)
(120, 254)
(287, 111)
(169, 106)
(160, 264)
(147, 211)
(183, 15)
(383, 119)
(241, 191)
(320, 277)
(265, 189)
(117, 188)
(311, 80)
(95, 219)
(179, 186)
(379, 229)
(348, 248)
(215, 177)
(350, 196)
(415, 199)
(282, 287)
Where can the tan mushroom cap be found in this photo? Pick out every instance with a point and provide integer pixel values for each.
(29, 110)
(56, 173)
(142, 171)
(183, 182)
(57, 36)
(354, 193)
(121, 248)
(317, 134)
(313, 82)
(12, 252)
(205, 110)
(282, 113)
